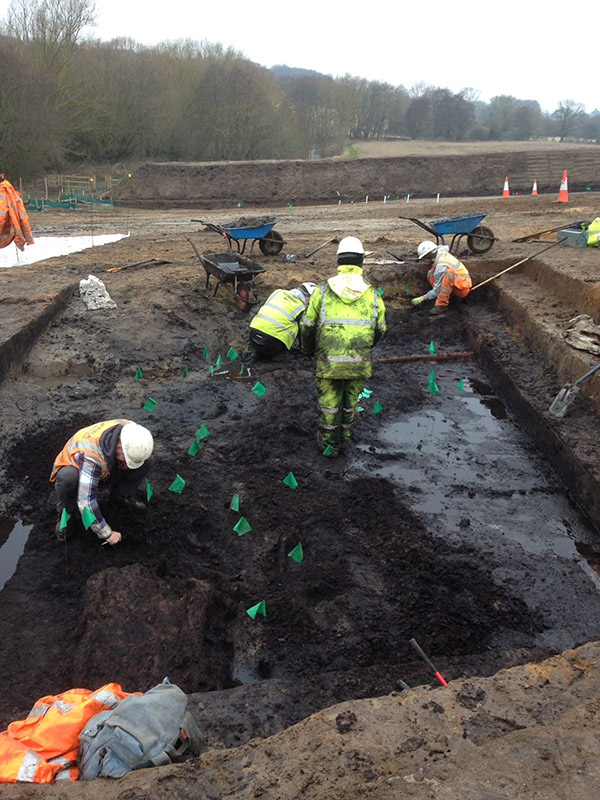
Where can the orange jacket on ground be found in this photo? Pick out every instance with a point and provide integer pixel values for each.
(43, 748)
(86, 441)
(14, 220)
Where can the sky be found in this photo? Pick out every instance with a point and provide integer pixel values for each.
(523, 48)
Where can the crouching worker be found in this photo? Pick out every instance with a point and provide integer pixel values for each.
(447, 276)
(275, 327)
(117, 451)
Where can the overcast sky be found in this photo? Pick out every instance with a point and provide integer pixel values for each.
(525, 48)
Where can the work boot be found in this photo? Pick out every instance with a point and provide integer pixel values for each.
(438, 310)
(61, 535)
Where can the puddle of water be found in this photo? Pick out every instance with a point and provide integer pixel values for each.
(51, 246)
(12, 549)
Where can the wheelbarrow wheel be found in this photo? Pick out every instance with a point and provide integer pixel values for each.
(245, 296)
(480, 240)
(271, 244)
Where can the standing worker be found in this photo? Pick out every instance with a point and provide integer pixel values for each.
(14, 220)
(116, 451)
(275, 327)
(447, 276)
(344, 320)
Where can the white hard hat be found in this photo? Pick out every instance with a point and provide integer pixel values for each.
(350, 244)
(137, 444)
(425, 248)
(308, 287)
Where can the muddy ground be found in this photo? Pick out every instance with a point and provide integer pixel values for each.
(445, 521)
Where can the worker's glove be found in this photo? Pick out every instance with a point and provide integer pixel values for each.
(416, 301)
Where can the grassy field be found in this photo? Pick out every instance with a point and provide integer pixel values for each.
(398, 149)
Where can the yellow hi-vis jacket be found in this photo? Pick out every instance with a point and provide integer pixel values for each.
(344, 319)
(278, 317)
(86, 441)
(445, 262)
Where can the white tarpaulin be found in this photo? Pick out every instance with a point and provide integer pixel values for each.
(51, 246)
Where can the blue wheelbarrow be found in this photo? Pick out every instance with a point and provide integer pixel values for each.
(480, 239)
(270, 241)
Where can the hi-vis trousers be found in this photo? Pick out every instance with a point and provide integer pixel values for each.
(337, 401)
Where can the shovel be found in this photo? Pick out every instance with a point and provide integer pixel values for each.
(568, 393)
(320, 247)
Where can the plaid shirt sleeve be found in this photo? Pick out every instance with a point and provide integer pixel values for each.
(87, 495)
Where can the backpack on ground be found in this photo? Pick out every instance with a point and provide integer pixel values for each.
(141, 731)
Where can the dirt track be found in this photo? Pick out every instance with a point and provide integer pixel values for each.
(458, 536)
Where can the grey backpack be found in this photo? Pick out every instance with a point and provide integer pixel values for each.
(145, 731)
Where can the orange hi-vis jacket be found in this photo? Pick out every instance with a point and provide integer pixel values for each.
(43, 748)
(447, 275)
(86, 441)
(14, 220)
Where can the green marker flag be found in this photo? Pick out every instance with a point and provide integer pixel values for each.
(431, 348)
(297, 554)
(367, 392)
(138, 374)
(360, 408)
(431, 377)
(235, 503)
(241, 369)
(377, 408)
(87, 517)
(186, 372)
(149, 491)
(177, 485)
(232, 354)
(259, 608)
(218, 362)
(239, 205)
(380, 292)
(242, 526)
(461, 385)
(258, 389)
(407, 288)
(150, 404)
(212, 370)
(291, 481)
(202, 432)
(194, 448)
(64, 519)
(206, 356)
(433, 388)
(328, 450)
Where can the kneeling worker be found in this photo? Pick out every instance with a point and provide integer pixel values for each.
(275, 326)
(447, 276)
(116, 451)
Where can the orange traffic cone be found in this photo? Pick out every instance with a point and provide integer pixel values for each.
(506, 192)
(534, 190)
(563, 194)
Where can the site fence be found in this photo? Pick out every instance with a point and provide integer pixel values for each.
(55, 186)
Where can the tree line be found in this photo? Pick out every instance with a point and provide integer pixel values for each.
(67, 99)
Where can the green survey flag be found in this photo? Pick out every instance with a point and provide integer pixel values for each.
(290, 480)
(64, 519)
(242, 526)
(431, 348)
(235, 503)
(206, 356)
(380, 292)
(377, 408)
(259, 608)
(149, 491)
(328, 450)
(202, 432)
(194, 448)
(360, 408)
(258, 389)
(407, 288)
(297, 554)
(138, 374)
(212, 370)
(87, 517)
(218, 362)
(186, 372)
(433, 388)
(177, 485)
(232, 354)
(241, 369)
(461, 385)
(150, 404)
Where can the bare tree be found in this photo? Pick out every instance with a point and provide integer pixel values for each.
(569, 115)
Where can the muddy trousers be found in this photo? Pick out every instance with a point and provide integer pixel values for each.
(337, 401)
(122, 481)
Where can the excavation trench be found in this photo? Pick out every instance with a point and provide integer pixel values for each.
(442, 523)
